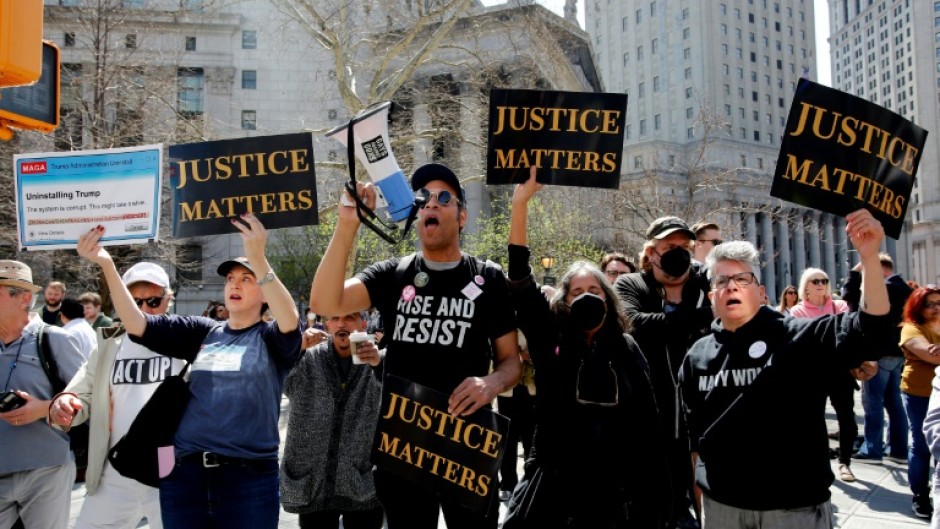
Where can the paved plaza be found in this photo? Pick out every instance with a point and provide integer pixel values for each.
(880, 499)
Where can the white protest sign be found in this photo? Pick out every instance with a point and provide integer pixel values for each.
(61, 195)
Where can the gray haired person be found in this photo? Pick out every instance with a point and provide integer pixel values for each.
(759, 369)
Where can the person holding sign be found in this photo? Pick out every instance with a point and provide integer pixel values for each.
(739, 381)
(448, 317)
(599, 453)
(226, 470)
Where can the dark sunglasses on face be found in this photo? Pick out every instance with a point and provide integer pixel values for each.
(716, 242)
(819, 281)
(443, 197)
(790, 293)
(153, 302)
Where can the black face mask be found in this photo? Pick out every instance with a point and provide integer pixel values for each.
(675, 262)
(588, 311)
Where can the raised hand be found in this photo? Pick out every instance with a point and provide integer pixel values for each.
(89, 248)
(523, 192)
(865, 232)
(254, 236)
(347, 206)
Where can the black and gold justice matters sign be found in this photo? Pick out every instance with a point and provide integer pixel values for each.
(841, 153)
(574, 138)
(270, 176)
(456, 456)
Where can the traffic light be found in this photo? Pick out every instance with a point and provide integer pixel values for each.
(20, 42)
(33, 107)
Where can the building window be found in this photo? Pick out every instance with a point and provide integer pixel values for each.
(689, 113)
(249, 39)
(690, 133)
(641, 90)
(637, 162)
(130, 40)
(190, 43)
(756, 135)
(688, 93)
(191, 84)
(70, 39)
(657, 121)
(656, 83)
(249, 79)
(249, 120)
(642, 127)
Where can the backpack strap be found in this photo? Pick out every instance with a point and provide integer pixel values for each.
(403, 265)
(47, 360)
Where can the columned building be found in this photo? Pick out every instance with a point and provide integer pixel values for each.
(888, 52)
(710, 85)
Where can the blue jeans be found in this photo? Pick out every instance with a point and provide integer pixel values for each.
(229, 496)
(883, 393)
(918, 456)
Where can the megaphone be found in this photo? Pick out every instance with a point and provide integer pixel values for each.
(366, 139)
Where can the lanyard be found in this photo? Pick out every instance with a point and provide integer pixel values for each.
(19, 348)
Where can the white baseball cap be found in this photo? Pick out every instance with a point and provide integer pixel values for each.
(148, 272)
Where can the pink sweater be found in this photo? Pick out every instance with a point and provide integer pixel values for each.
(805, 309)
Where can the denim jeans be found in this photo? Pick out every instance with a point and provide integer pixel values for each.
(229, 496)
(918, 456)
(883, 393)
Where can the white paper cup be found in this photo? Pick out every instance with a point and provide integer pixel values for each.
(355, 339)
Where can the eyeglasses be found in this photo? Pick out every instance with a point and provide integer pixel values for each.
(593, 392)
(742, 280)
(716, 242)
(615, 273)
(153, 302)
(443, 197)
(819, 281)
(932, 305)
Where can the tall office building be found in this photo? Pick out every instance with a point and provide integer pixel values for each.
(710, 84)
(888, 52)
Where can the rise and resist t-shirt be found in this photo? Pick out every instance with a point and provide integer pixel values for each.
(439, 331)
(236, 380)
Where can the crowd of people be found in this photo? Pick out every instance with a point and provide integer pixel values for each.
(634, 389)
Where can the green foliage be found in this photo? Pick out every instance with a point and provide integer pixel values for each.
(553, 231)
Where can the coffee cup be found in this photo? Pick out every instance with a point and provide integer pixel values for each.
(355, 339)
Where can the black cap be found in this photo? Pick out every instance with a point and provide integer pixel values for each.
(666, 226)
(227, 266)
(435, 171)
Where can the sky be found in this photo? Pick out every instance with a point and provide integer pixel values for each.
(822, 30)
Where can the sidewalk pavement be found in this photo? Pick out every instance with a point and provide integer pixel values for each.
(879, 499)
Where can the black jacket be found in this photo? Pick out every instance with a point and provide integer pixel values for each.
(665, 338)
(598, 456)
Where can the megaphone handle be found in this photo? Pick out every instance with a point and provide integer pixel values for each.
(366, 219)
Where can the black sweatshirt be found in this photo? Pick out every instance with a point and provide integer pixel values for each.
(755, 403)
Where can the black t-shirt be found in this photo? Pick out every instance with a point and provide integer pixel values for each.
(440, 333)
(51, 317)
